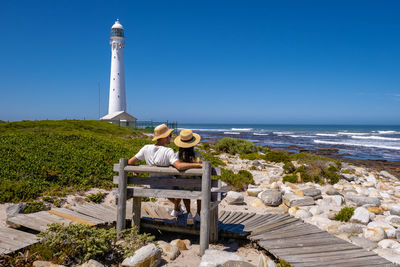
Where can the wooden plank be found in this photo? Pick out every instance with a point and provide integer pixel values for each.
(239, 222)
(266, 221)
(169, 170)
(311, 249)
(166, 181)
(136, 212)
(16, 234)
(296, 237)
(249, 223)
(304, 237)
(4, 250)
(301, 242)
(214, 224)
(93, 213)
(163, 170)
(261, 220)
(273, 225)
(75, 216)
(233, 217)
(363, 261)
(36, 221)
(46, 218)
(163, 193)
(171, 228)
(289, 231)
(245, 218)
(224, 216)
(293, 226)
(329, 256)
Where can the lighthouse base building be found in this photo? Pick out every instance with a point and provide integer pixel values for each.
(121, 118)
(117, 99)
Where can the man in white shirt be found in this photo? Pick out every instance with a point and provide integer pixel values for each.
(161, 156)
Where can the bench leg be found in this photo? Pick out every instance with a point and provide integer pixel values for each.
(214, 224)
(136, 211)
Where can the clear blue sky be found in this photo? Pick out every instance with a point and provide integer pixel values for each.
(329, 62)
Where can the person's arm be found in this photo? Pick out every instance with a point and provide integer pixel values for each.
(133, 160)
(182, 166)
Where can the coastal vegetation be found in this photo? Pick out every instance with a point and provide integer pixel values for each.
(58, 157)
(34, 206)
(237, 146)
(78, 243)
(344, 214)
(237, 181)
(96, 197)
(313, 168)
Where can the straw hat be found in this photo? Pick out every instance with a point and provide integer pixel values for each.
(161, 131)
(187, 138)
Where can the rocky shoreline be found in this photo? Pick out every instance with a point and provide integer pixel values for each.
(392, 167)
(373, 193)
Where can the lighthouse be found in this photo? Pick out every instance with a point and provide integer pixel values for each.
(117, 98)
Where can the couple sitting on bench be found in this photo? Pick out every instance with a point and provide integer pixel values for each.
(161, 156)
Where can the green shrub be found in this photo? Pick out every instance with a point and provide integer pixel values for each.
(291, 178)
(344, 214)
(235, 146)
(205, 146)
(58, 202)
(251, 156)
(307, 158)
(331, 174)
(289, 167)
(238, 181)
(78, 243)
(35, 206)
(215, 162)
(133, 241)
(96, 197)
(277, 156)
(348, 171)
(283, 263)
(57, 156)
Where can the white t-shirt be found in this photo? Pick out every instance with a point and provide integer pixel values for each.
(159, 156)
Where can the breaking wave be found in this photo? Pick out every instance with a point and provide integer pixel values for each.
(355, 144)
(373, 137)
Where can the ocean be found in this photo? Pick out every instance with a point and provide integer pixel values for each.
(353, 141)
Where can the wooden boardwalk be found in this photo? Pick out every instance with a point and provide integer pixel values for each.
(285, 237)
(300, 244)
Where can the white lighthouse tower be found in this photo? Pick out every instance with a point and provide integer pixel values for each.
(117, 100)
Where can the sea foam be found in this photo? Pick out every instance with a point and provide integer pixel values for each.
(373, 137)
(388, 132)
(231, 133)
(242, 129)
(327, 134)
(355, 144)
(351, 133)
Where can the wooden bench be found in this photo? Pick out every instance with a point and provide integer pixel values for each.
(207, 190)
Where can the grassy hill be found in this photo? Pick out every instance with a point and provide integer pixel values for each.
(58, 156)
